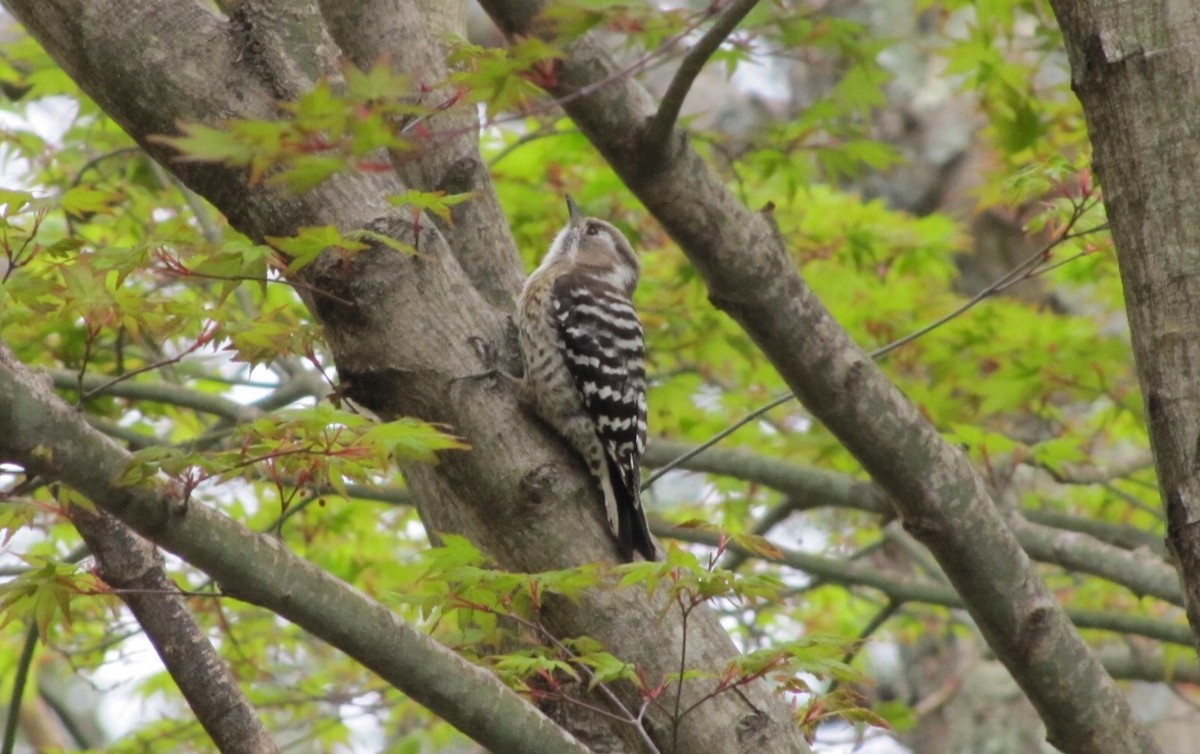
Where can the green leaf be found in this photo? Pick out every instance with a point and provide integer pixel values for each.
(15, 202)
(435, 202)
(363, 234)
(82, 200)
(411, 439)
(40, 595)
(896, 716)
(306, 172)
(376, 83)
(13, 517)
(606, 668)
(308, 243)
(201, 143)
(757, 545)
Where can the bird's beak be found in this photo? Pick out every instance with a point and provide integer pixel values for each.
(574, 211)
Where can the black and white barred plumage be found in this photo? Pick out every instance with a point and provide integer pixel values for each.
(585, 372)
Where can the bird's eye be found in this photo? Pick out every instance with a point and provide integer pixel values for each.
(592, 230)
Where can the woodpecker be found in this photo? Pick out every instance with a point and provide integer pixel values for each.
(585, 371)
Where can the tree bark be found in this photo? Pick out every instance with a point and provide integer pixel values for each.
(1136, 69)
(411, 35)
(407, 336)
(131, 565)
(1140, 572)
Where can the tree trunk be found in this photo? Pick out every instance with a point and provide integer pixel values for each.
(1136, 69)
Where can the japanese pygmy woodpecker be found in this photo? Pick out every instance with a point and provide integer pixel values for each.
(585, 371)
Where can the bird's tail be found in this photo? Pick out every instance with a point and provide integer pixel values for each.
(633, 533)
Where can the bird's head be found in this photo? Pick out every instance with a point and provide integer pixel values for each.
(596, 246)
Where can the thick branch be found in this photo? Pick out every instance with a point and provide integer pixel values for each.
(1076, 473)
(1139, 571)
(157, 392)
(1132, 665)
(901, 590)
(48, 438)
(942, 501)
(1125, 537)
(128, 562)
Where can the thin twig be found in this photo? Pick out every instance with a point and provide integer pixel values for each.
(895, 534)
(1133, 501)
(883, 616)
(659, 130)
(660, 471)
(117, 592)
(14, 704)
(839, 572)
(206, 336)
(1025, 269)
(173, 266)
(91, 165)
(677, 718)
(546, 131)
(538, 628)
(641, 63)
(68, 714)
(605, 691)
(157, 392)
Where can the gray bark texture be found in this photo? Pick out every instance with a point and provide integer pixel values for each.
(131, 565)
(1136, 69)
(411, 322)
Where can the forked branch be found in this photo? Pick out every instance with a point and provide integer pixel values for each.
(659, 130)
